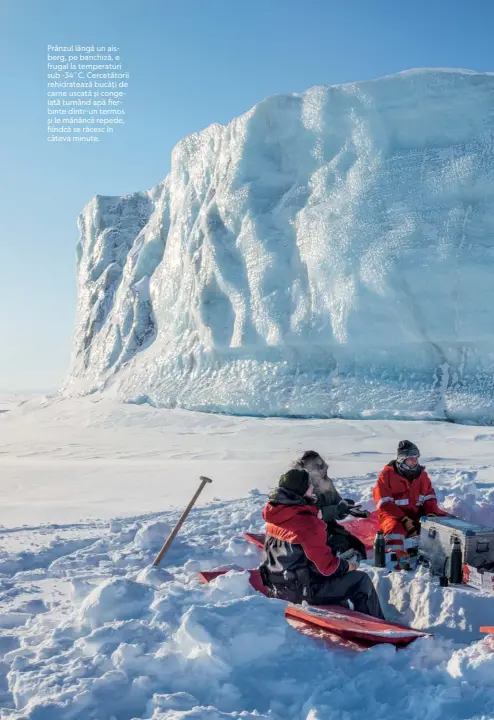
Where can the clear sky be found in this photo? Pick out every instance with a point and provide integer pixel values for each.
(192, 63)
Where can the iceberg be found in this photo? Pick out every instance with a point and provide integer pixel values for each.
(326, 254)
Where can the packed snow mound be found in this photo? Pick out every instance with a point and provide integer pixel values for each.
(123, 645)
(328, 253)
(152, 535)
(115, 599)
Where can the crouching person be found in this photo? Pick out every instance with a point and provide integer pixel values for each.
(403, 494)
(297, 563)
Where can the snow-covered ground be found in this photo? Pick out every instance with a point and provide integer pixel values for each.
(89, 489)
(8, 402)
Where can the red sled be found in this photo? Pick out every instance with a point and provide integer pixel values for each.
(363, 528)
(353, 625)
(330, 621)
(256, 539)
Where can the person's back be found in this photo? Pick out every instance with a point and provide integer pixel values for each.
(294, 534)
(297, 563)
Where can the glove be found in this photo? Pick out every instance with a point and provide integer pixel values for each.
(355, 509)
(358, 512)
(343, 509)
(410, 527)
(351, 556)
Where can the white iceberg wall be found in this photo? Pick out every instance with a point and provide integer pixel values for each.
(113, 234)
(329, 253)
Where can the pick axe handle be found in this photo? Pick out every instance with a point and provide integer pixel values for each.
(159, 557)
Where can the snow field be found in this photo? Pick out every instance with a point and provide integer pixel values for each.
(90, 631)
(127, 641)
(66, 460)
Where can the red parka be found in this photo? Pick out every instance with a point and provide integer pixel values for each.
(302, 535)
(396, 498)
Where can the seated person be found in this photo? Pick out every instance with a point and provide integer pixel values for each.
(297, 563)
(333, 507)
(403, 494)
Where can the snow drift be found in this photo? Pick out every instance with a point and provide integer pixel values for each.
(108, 644)
(326, 254)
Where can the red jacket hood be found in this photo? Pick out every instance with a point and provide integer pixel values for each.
(299, 525)
(281, 514)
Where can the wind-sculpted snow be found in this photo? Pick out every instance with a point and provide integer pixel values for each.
(100, 633)
(329, 253)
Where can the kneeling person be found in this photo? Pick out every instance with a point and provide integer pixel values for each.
(297, 563)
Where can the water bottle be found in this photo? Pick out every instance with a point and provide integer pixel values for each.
(456, 563)
(379, 550)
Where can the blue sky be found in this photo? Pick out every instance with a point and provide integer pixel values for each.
(192, 63)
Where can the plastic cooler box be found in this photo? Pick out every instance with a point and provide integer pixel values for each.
(436, 542)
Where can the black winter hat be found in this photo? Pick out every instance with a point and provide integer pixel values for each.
(406, 449)
(295, 480)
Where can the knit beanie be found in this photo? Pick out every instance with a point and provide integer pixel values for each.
(295, 480)
(406, 449)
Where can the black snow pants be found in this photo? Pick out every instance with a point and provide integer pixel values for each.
(319, 590)
(355, 586)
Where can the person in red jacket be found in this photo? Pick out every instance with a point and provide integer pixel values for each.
(403, 494)
(297, 563)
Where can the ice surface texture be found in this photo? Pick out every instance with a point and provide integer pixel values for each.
(329, 253)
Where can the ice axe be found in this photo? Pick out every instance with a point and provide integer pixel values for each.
(171, 537)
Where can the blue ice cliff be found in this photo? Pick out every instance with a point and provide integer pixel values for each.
(329, 253)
